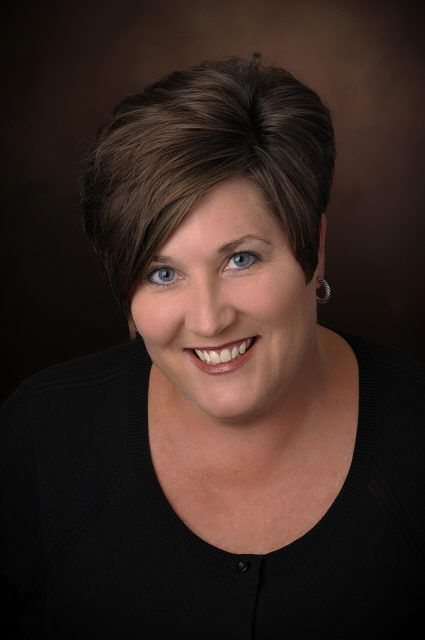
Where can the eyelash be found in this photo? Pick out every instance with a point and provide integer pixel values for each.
(170, 284)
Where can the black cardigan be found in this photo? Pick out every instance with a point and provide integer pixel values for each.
(91, 548)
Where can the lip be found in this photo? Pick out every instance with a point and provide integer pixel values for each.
(221, 346)
(223, 367)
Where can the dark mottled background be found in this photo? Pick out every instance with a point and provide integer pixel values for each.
(67, 63)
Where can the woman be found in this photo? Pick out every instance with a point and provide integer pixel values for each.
(235, 470)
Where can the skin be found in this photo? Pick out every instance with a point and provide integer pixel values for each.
(239, 427)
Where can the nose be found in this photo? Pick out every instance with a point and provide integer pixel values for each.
(209, 310)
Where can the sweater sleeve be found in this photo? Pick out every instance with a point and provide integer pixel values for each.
(21, 548)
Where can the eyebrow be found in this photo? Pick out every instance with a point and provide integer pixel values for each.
(229, 246)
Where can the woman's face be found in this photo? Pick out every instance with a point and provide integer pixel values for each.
(198, 296)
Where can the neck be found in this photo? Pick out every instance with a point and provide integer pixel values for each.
(242, 453)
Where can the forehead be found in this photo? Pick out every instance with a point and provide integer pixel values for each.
(230, 209)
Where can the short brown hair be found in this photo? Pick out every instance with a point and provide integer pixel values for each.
(162, 149)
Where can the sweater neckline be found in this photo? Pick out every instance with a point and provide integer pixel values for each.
(175, 530)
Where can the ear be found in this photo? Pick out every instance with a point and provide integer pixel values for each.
(320, 269)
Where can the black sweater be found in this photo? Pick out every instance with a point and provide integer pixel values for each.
(91, 548)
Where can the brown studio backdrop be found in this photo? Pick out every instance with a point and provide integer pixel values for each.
(67, 64)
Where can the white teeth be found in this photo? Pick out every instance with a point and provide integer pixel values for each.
(225, 355)
(215, 358)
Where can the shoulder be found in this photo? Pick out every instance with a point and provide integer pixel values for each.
(392, 386)
(71, 400)
(398, 377)
(69, 425)
(64, 440)
(92, 368)
(65, 399)
(63, 437)
(400, 385)
(79, 388)
(65, 385)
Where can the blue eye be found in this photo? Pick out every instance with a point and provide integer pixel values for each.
(243, 264)
(164, 271)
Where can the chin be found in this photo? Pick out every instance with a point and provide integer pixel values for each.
(228, 410)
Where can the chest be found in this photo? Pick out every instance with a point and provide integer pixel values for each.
(254, 518)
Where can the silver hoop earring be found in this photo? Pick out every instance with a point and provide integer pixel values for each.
(327, 295)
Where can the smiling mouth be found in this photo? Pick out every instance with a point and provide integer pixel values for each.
(225, 354)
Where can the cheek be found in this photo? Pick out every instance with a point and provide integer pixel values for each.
(155, 322)
(277, 299)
